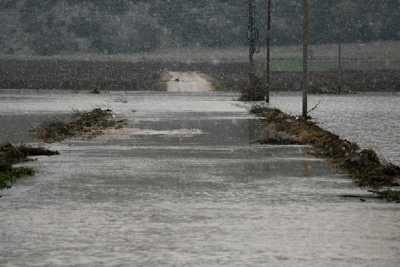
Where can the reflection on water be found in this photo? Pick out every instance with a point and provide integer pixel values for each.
(17, 128)
(190, 190)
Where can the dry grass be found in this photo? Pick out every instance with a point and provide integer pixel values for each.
(86, 124)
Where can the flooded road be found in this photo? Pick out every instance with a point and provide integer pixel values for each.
(183, 185)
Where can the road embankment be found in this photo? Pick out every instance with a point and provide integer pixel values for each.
(363, 165)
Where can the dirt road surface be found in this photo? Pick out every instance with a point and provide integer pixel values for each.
(188, 82)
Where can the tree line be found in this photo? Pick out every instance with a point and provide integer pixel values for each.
(49, 27)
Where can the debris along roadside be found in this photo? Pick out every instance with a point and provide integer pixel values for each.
(10, 155)
(87, 124)
(363, 165)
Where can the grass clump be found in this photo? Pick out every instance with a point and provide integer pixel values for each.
(10, 175)
(88, 124)
(261, 109)
(275, 132)
(10, 155)
(253, 90)
(363, 165)
(390, 195)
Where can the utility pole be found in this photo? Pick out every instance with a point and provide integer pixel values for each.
(306, 40)
(340, 67)
(268, 5)
(252, 38)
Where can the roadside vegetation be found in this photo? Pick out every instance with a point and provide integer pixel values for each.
(363, 165)
(11, 155)
(86, 124)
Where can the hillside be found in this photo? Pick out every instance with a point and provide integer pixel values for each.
(50, 27)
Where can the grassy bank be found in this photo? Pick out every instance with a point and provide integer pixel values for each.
(86, 124)
(10, 155)
(363, 165)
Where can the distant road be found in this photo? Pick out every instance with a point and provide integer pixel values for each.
(188, 82)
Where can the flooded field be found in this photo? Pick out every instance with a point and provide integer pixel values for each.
(371, 120)
(185, 185)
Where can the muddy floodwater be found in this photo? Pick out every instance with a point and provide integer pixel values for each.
(184, 184)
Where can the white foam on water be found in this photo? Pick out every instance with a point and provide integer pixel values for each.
(126, 133)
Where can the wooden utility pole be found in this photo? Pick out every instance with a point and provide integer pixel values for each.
(252, 38)
(306, 41)
(340, 67)
(268, 5)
